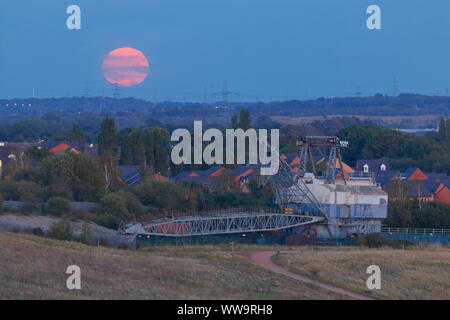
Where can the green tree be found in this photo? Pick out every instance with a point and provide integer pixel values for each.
(36, 153)
(400, 205)
(244, 119)
(157, 149)
(447, 127)
(79, 173)
(77, 135)
(107, 138)
(57, 206)
(61, 230)
(442, 132)
(234, 121)
(114, 206)
(107, 147)
(134, 206)
(86, 234)
(166, 195)
(126, 150)
(137, 143)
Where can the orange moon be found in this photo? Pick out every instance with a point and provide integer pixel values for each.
(125, 67)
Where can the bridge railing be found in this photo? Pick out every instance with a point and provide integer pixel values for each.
(385, 229)
(215, 212)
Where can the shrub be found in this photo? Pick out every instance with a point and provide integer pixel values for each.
(134, 206)
(107, 221)
(61, 230)
(375, 240)
(103, 242)
(114, 207)
(37, 232)
(86, 234)
(123, 246)
(16, 190)
(30, 205)
(57, 206)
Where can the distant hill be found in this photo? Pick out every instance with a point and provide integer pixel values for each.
(35, 268)
(130, 111)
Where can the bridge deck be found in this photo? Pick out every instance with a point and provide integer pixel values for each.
(223, 224)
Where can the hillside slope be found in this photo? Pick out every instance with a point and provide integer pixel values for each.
(34, 268)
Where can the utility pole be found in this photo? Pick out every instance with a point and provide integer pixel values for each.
(394, 87)
(86, 92)
(225, 93)
(116, 92)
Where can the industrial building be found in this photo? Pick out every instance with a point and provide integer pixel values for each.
(334, 204)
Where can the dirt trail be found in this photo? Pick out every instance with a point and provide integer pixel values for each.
(264, 260)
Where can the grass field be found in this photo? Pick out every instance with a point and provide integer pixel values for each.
(34, 268)
(418, 273)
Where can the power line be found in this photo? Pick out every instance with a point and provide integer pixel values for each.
(226, 93)
(86, 92)
(116, 91)
(394, 87)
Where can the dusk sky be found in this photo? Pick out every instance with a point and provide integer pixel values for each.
(265, 49)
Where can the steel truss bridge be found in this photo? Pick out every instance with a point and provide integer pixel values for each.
(227, 224)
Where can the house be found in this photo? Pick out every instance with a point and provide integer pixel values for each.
(423, 190)
(243, 175)
(132, 175)
(414, 173)
(207, 178)
(375, 166)
(423, 186)
(384, 177)
(62, 147)
(213, 177)
(442, 194)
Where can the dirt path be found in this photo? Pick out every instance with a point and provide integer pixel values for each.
(264, 260)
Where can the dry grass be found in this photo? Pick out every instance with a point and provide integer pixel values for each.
(419, 273)
(34, 268)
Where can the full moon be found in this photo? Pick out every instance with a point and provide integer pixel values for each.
(125, 67)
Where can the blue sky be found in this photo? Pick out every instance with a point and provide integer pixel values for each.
(265, 49)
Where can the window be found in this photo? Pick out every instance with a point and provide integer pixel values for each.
(366, 168)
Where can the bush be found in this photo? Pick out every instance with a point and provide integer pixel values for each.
(166, 195)
(37, 232)
(107, 221)
(134, 206)
(61, 230)
(86, 234)
(16, 190)
(123, 246)
(57, 206)
(103, 242)
(115, 208)
(375, 240)
(30, 205)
